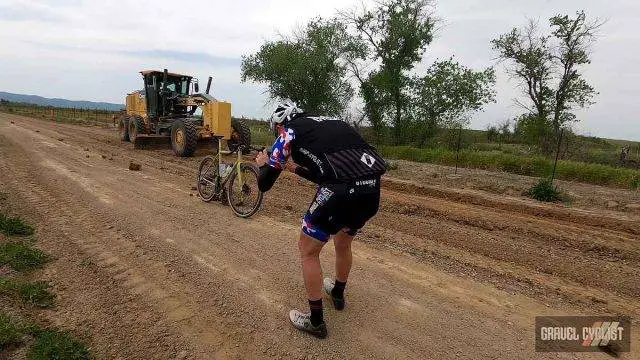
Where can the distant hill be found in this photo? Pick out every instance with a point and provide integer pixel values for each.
(42, 101)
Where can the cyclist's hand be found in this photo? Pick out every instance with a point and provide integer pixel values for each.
(262, 158)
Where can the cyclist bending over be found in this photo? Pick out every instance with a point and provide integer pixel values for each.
(330, 153)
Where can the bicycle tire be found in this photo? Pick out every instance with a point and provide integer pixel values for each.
(210, 178)
(251, 172)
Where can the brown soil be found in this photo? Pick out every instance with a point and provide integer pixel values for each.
(147, 270)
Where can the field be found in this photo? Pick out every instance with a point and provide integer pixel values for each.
(455, 264)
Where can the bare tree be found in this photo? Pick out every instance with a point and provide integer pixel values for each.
(549, 69)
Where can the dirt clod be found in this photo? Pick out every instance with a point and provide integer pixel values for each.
(134, 166)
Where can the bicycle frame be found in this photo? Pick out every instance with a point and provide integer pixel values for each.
(236, 167)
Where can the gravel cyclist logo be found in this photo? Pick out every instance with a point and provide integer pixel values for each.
(582, 334)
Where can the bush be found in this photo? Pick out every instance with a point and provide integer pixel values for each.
(544, 190)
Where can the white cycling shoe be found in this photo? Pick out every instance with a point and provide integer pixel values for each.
(338, 303)
(302, 321)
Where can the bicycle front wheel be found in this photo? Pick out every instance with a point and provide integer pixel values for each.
(208, 181)
(243, 194)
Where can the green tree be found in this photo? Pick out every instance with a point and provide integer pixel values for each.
(309, 68)
(444, 94)
(493, 134)
(549, 67)
(397, 33)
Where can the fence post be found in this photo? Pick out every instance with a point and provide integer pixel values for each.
(555, 164)
(458, 148)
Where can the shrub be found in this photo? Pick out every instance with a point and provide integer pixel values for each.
(544, 190)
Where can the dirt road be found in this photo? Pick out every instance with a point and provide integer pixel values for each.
(150, 271)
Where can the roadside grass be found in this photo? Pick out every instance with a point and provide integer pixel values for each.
(53, 344)
(32, 293)
(14, 226)
(21, 257)
(41, 343)
(523, 165)
(11, 331)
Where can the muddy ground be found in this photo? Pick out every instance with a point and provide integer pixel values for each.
(450, 267)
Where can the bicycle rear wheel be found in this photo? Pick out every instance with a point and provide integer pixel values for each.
(208, 180)
(244, 197)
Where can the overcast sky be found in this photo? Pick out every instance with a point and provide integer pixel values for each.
(93, 50)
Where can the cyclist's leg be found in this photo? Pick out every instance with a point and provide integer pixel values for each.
(316, 230)
(360, 208)
(342, 243)
(311, 270)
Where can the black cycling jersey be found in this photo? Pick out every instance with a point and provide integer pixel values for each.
(328, 149)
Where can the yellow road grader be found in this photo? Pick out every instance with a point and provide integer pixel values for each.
(167, 108)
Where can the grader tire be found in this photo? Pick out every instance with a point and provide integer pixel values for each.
(136, 127)
(184, 138)
(240, 135)
(123, 128)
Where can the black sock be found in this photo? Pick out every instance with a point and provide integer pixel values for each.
(338, 289)
(316, 312)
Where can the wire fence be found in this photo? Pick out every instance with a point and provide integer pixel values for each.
(60, 114)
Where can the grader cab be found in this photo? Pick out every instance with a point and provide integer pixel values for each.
(167, 108)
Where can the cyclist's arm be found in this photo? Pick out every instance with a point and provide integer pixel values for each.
(304, 173)
(280, 153)
(267, 177)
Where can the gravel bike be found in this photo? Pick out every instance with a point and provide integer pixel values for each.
(237, 183)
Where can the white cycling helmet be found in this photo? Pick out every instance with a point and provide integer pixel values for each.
(283, 113)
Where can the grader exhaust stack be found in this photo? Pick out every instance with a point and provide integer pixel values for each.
(208, 85)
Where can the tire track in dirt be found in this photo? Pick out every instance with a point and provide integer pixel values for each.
(626, 223)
